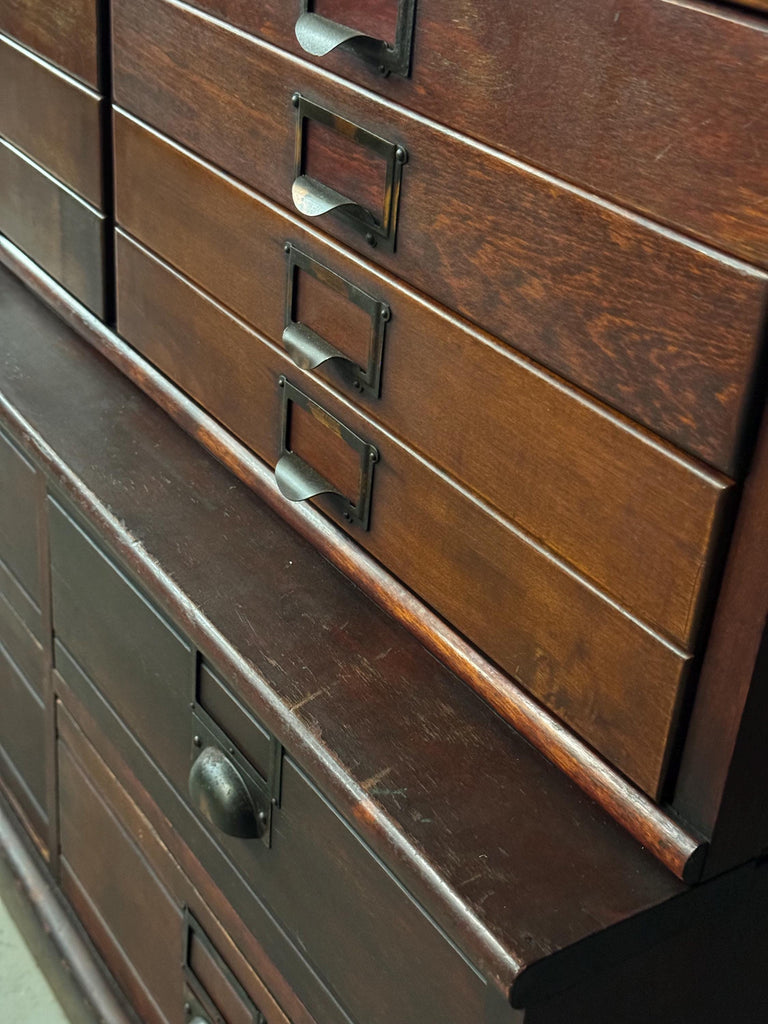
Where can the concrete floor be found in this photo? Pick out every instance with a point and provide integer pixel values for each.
(25, 995)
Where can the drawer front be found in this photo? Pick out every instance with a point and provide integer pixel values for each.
(168, 962)
(571, 647)
(651, 324)
(53, 226)
(51, 118)
(143, 666)
(537, 451)
(22, 738)
(19, 553)
(62, 31)
(654, 108)
(356, 925)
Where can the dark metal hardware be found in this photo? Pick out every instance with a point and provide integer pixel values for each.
(224, 787)
(223, 796)
(309, 350)
(319, 36)
(314, 198)
(199, 1007)
(298, 481)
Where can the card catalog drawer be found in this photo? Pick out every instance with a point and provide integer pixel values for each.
(62, 31)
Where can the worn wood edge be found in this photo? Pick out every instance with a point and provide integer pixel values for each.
(681, 851)
(50, 907)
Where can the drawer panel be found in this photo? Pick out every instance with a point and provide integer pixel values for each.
(356, 925)
(62, 31)
(22, 740)
(591, 487)
(653, 108)
(143, 666)
(19, 501)
(51, 118)
(23, 648)
(53, 226)
(571, 647)
(650, 323)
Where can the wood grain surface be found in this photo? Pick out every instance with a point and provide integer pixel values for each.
(52, 225)
(587, 872)
(632, 514)
(660, 328)
(651, 104)
(52, 118)
(605, 674)
(63, 31)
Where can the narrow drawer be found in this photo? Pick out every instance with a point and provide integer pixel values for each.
(144, 667)
(652, 324)
(62, 31)
(564, 641)
(356, 925)
(53, 226)
(651, 104)
(591, 487)
(19, 552)
(22, 740)
(167, 961)
(52, 118)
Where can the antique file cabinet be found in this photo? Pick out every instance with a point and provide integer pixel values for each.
(385, 493)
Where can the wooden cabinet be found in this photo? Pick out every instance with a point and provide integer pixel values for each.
(460, 315)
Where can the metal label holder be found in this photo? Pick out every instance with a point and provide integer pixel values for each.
(309, 350)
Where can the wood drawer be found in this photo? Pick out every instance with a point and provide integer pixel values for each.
(22, 735)
(652, 104)
(51, 118)
(355, 923)
(63, 31)
(594, 489)
(19, 553)
(53, 226)
(568, 644)
(647, 321)
(140, 910)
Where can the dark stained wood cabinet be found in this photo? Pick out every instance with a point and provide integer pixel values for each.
(384, 502)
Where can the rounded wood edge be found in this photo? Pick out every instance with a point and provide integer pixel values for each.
(677, 848)
(49, 907)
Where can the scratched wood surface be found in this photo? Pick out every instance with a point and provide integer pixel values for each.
(664, 330)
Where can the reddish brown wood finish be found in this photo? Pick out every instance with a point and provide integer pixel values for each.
(664, 330)
(53, 226)
(601, 672)
(63, 31)
(656, 831)
(52, 118)
(631, 514)
(653, 107)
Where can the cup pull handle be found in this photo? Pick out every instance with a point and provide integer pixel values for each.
(313, 199)
(298, 481)
(318, 35)
(221, 794)
(309, 350)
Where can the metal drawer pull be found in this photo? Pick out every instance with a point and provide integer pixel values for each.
(319, 36)
(298, 481)
(313, 199)
(308, 350)
(223, 797)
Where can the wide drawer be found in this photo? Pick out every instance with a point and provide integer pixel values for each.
(355, 923)
(52, 118)
(647, 321)
(63, 31)
(629, 513)
(150, 933)
(572, 647)
(651, 104)
(53, 226)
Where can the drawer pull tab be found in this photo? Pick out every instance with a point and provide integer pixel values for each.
(308, 350)
(298, 481)
(319, 36)
(222, 796)
(314, 199)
